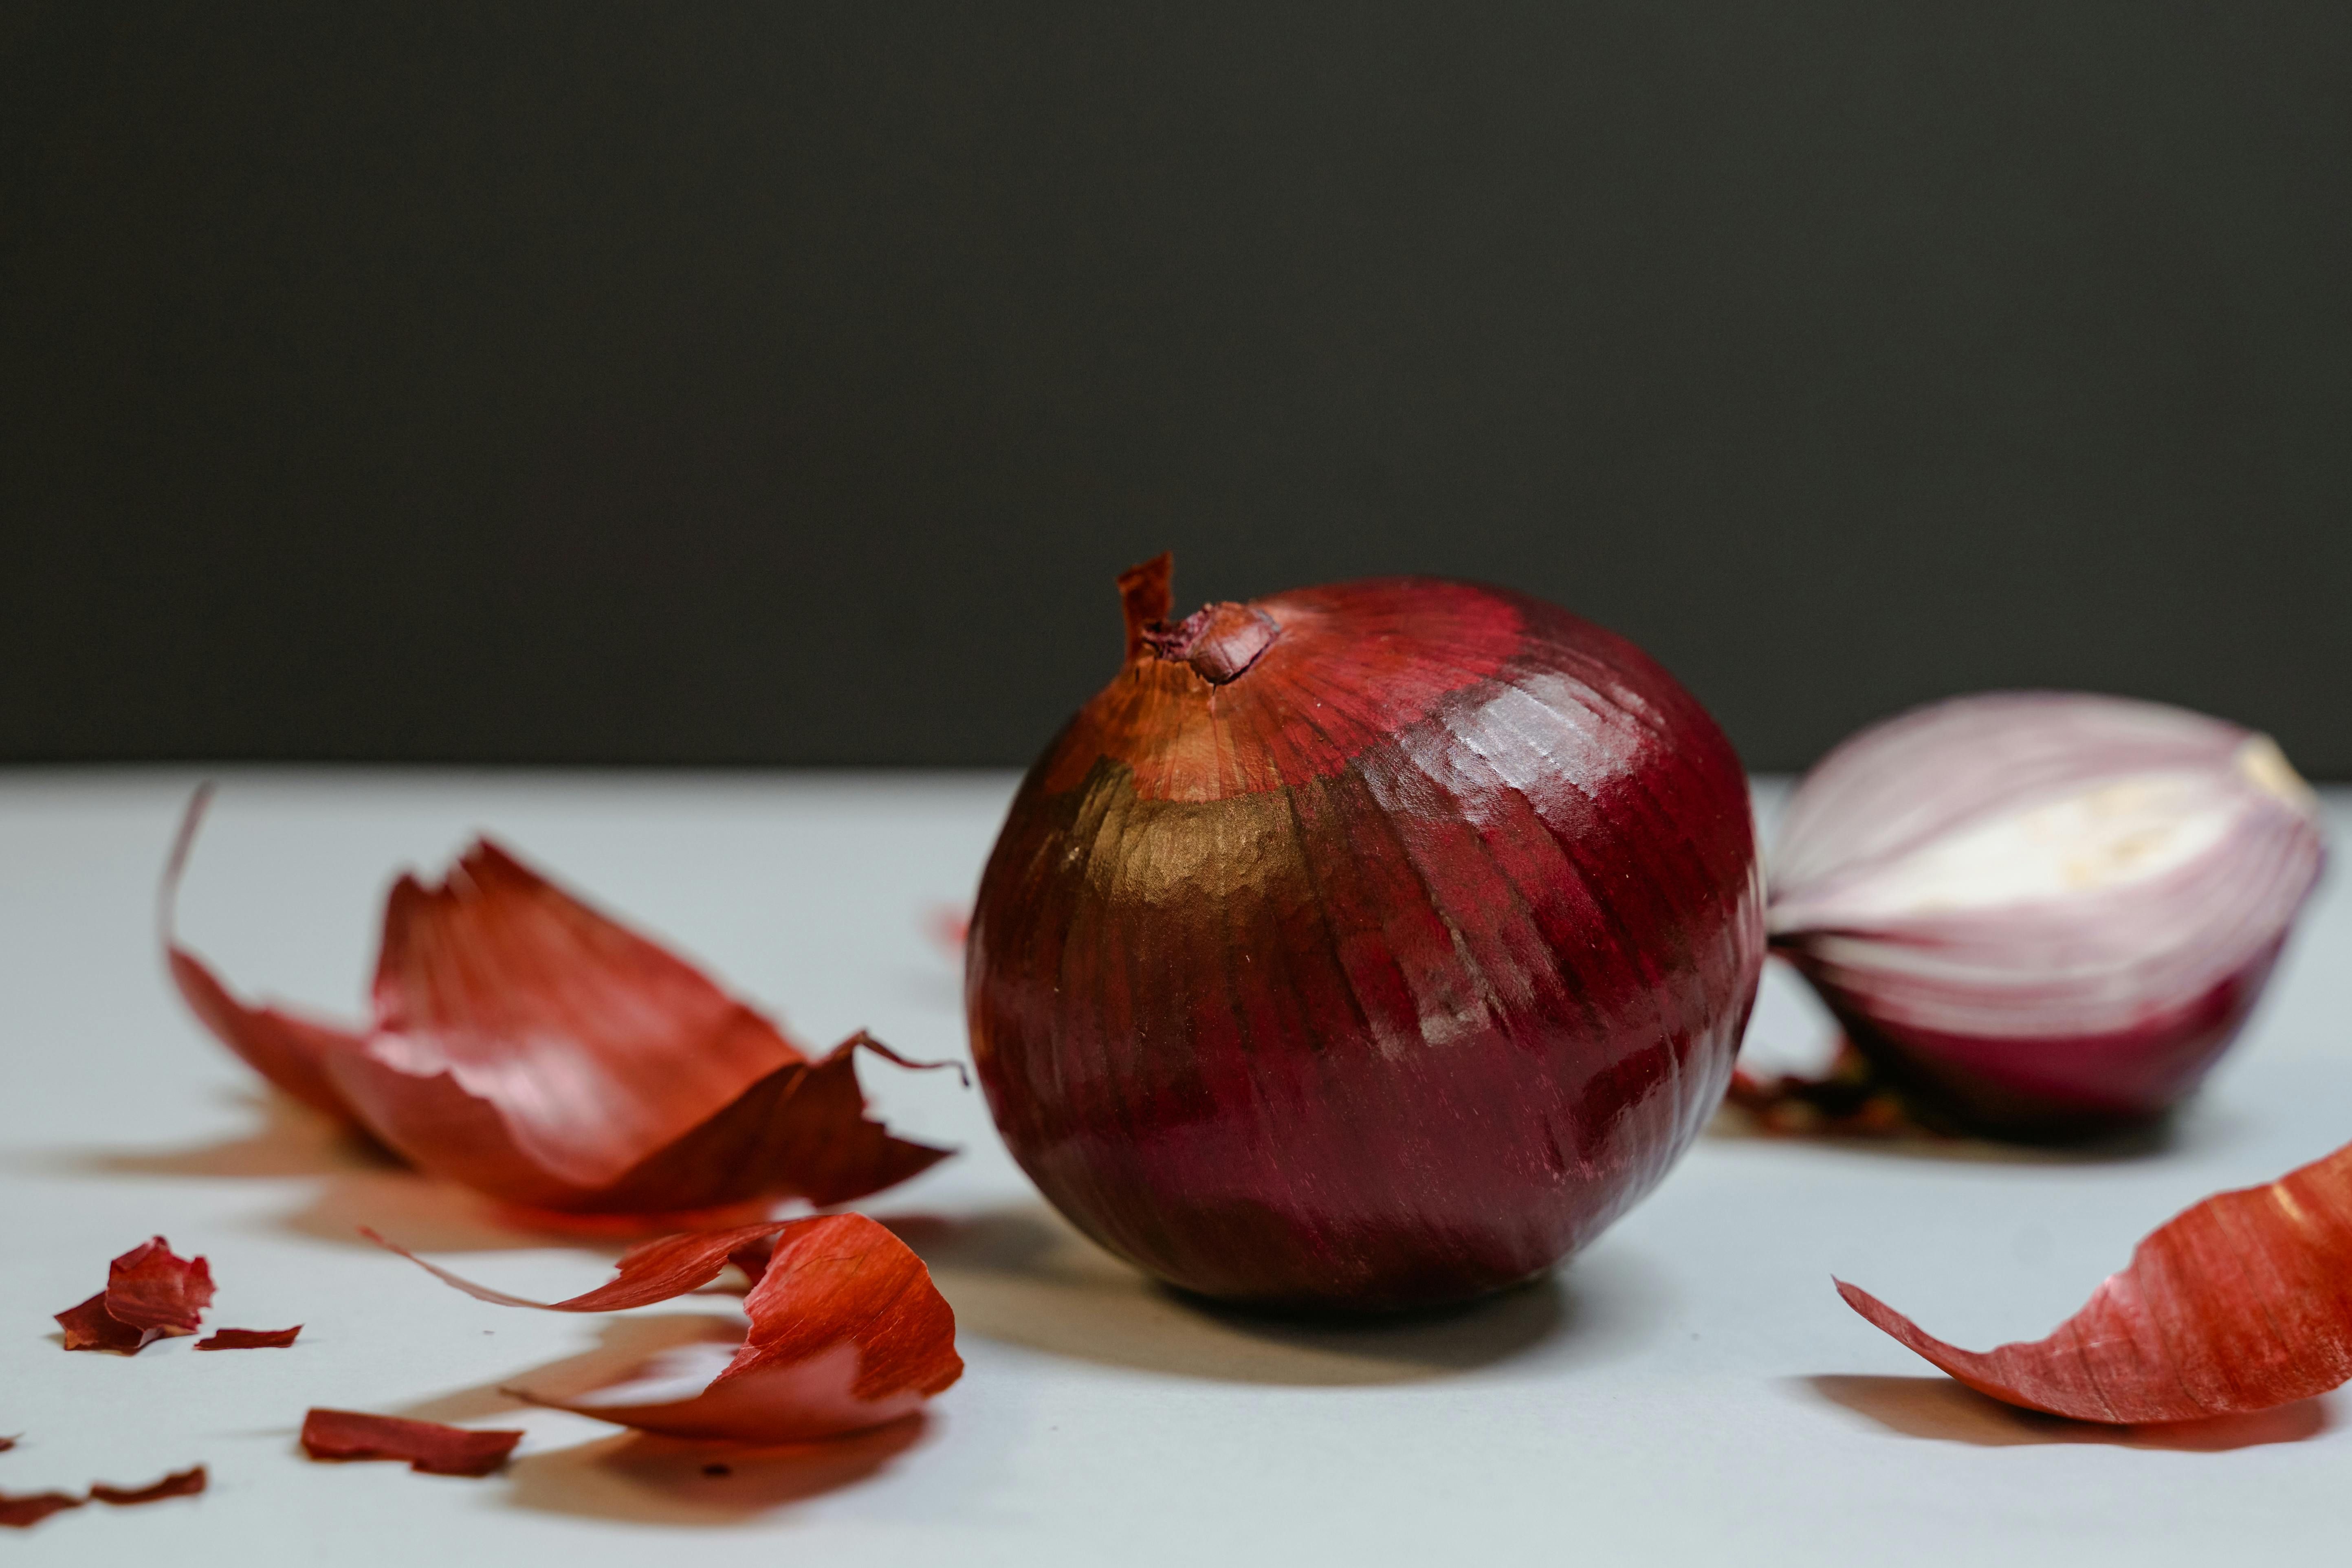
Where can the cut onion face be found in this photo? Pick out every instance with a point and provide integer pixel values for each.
(847, 1332)
(2044, 913)
(1367, 946)
(534, 1049)
(2238, 1304)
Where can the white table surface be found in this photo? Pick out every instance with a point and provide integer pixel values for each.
(1688, 1390)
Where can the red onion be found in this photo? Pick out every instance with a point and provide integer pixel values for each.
(2043, 912)
(1365, 946)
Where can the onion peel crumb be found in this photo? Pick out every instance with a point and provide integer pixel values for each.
(179, 1483)
(249, 1339)
(26, 1510)
(151, 1293)
(427, 1445)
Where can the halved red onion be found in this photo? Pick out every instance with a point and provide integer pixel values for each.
(2044, 912)
(528, 1047)
(1365, 946)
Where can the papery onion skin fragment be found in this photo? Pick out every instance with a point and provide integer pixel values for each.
(427, 1445)
(23, 1510)
(2238, 1303)
(847, 1332)
(151, 1293)
(529, 1047)
(2044, 914)
(249, 1339)
(179, 1483)
(1366, 946)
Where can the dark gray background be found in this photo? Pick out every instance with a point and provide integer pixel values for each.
(785, 384)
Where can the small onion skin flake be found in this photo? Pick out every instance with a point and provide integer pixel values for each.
(151, 1293)
(249, 1339)
(2240, 1304)
(427, 1445)
(22, 1511)
(847, 1332)
(1365, 947)
(528, 1047)
(179, 1483)
(2044, 914)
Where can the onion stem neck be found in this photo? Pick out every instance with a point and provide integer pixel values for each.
(1219, 641)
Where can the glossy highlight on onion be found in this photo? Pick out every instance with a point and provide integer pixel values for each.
(2044, 913)
(1365, 946)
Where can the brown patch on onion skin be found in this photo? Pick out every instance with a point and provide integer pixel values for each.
(1387, 970)
(2240, 1304)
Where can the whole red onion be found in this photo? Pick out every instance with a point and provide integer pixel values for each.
(1365, 946)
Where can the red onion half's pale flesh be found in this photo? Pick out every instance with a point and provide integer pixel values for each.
(1365, 946)
(2044, 913)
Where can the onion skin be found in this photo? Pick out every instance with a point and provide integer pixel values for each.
(2053, 1014)
(1365, 947)
(2235, 1305)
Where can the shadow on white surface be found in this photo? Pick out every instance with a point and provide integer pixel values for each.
(1939, 1409)
(653, 1479)
(2166, 1135)
(290, 1140)
(622, 1346)
(1024, 1277)
(358, 1182)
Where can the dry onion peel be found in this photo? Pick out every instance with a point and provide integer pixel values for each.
(151, 1293)
(528, 1047)
(847, 1332)
(249, 1339)
(24, 1510)
(179, 1483)
(2240, 1303)
(427, 1445)
(2044, 912)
